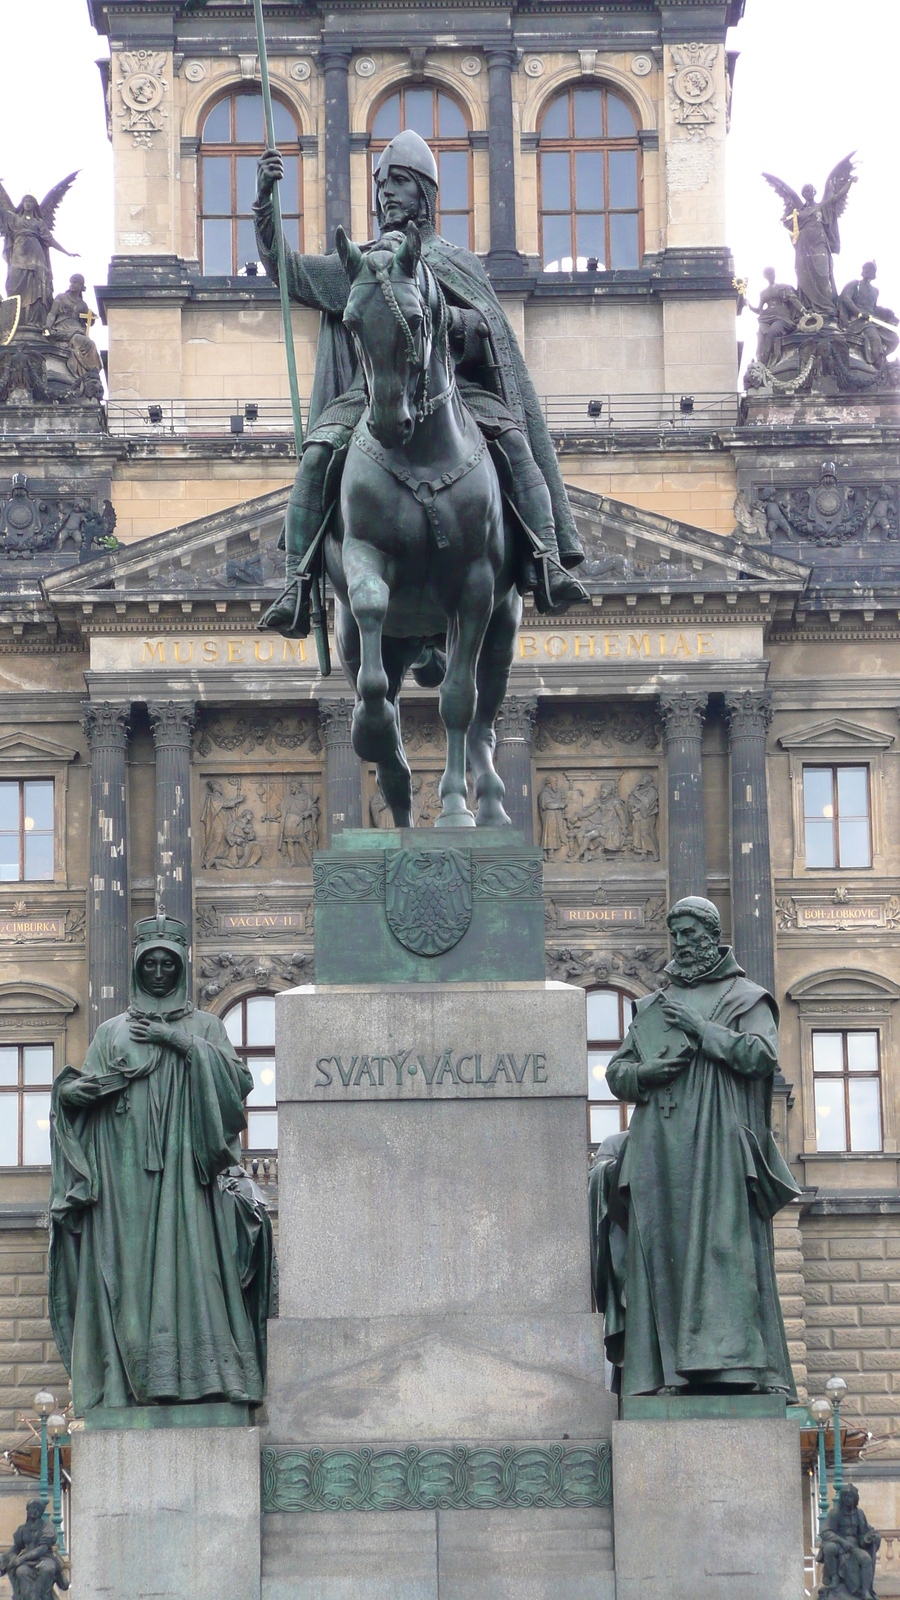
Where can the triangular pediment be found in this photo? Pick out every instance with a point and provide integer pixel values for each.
(627, 544)
(231, 551)
(235, 553)
(32, 747)
(836, 733)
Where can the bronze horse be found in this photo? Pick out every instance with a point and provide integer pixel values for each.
(420, 559)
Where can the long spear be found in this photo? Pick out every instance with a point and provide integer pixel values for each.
(320, 625)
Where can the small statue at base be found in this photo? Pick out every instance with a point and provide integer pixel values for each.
(33, 1565)
(849, 1548)
(69, 320)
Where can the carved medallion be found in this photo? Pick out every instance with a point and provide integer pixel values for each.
(141, 89)
(428, 898)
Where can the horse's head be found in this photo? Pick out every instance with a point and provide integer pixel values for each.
(392, 322)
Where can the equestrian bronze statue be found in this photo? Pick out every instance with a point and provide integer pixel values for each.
(428, 481)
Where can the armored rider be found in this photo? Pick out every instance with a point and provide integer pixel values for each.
(491, 373)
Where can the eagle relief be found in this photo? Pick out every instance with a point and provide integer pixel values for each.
(428, 898)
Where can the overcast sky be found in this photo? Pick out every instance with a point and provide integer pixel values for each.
(814, 81)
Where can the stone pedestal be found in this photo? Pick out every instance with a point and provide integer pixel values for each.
(708, 1508)
(438, 1423)
(167, 1512)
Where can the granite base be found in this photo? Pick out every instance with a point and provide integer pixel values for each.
(708, 1509)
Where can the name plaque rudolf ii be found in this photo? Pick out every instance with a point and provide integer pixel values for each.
(461, 1041)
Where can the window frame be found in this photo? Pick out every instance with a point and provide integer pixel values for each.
(598, 142)
(831, 1001)
(246, 1052)
(846, 1077)
(625, 1106)
(20, 1089)
(23, 831)
(834, 767)
(437, 144)
(233, 149)
(837, 742)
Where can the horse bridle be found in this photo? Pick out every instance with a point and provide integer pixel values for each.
(425, 407)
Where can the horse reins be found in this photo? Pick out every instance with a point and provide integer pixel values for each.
(425, 407)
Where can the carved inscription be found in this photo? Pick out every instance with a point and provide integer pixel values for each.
(393, 1069)
(21, 928)
(600, 914)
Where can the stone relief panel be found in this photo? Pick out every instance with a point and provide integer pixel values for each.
(252, 732)
(591, 968)
(692, 86)
(266, 821)
(36, 518)
(830, 512)
(224, 970)
(588, 815)
(608, 727)
(142, 89)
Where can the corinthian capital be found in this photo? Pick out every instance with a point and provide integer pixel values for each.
(682, 712)
(336, 717)
(517, 716)
(106, 725)
(749, 712)
(172, 721)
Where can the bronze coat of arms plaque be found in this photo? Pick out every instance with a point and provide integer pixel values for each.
(428, 898)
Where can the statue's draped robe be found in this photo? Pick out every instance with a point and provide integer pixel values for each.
(158, 1274)
(817, 242)
(502, 392)
(30, 275)
(697, 1184)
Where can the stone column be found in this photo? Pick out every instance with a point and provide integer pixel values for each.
(343, 777)
(334, 61)
(749, 713)
(682, 713)
(173, 725)
(503, 253)
(106, 727)
(517, 718)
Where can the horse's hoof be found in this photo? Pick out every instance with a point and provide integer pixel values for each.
(374, 731)
(492, 816)
(455, 819)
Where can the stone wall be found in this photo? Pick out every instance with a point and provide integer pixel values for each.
(851, 1266)
(29, 1359)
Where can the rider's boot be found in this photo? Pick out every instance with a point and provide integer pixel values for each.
(553, 587)
(289, 615)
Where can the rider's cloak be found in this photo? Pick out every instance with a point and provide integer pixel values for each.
(321, 283)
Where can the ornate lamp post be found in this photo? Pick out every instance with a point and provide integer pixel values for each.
(57, 1428)
(43, 1405)
(820, 1411)
(835, 1389)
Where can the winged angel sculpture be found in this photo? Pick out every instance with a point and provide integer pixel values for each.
(813, 227)
(27, 241)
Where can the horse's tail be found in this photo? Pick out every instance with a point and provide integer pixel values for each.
(429, 667)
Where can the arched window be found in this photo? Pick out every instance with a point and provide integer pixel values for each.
(590, 182)
(608, 1015)
(250, 1025)
(232, 139)
(442, 123)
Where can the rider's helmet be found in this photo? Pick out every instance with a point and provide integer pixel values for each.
(409, 150)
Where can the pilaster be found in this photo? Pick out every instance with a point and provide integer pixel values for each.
(503, 253)
(173, 725)
(682, 713)
(106, 727)
(343, 775)
(749, 713)
(334, 61)
(516, 721)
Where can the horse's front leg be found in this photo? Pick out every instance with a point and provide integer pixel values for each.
(457, 698)
(492, 676)
(375, 735)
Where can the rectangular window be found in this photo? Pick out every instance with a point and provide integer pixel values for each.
(608, 1016)
(836, 817)
(26, 1076)
(26, 829)
(848, 1089)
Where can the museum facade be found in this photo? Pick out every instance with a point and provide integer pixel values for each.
(722, 718)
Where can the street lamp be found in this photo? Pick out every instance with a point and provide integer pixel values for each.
(43, 1405)
(835, 1389)
(57, 1427)
(820, 1411)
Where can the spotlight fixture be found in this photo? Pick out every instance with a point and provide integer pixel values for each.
(686, 405)
(595, 408)
(593, 264)
(252, 269)
(251, 411)
(155, 415)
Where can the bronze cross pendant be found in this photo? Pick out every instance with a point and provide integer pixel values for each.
(666, 1103)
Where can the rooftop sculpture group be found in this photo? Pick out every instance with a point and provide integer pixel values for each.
(46, 353)
(811, 336)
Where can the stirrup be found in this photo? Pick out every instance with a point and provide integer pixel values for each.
(296, 595)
